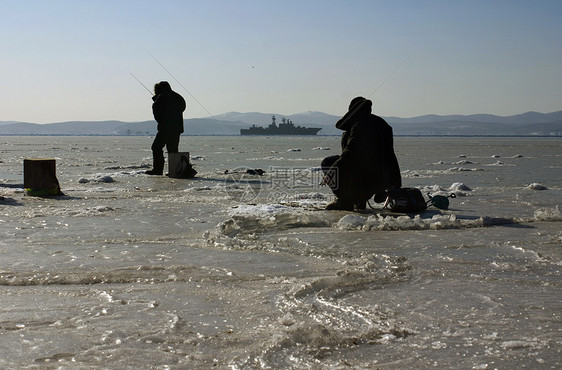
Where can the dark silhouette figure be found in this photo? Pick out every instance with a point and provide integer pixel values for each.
(168, 108)
(367, 165)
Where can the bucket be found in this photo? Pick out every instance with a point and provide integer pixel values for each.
(179, 166)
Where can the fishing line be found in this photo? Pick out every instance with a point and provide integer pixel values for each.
(194, 98)
(147, 89)
(382, 82)
(391, 73)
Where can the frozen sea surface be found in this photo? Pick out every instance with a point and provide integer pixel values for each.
(234, 270)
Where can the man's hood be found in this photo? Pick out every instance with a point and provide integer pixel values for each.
(358, 107)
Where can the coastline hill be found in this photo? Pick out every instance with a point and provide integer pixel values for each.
(229, 124)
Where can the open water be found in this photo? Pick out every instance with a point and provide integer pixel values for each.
(233, 271)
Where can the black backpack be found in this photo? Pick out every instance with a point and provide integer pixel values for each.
(405, 200)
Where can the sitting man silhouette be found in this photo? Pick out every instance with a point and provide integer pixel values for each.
(367, 165)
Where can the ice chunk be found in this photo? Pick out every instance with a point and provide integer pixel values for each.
(351, 222)
(537, 186)
(247, 219)
(312, 195)
(456, 186)
(519, 344)
(201, 188)
(259, 210)
(378, 222)
(228, 227)
(97, 179)
(498, 163)
(463, 169)
(431, 188)
(548, 214)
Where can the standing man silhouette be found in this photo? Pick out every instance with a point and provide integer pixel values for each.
(168, 108)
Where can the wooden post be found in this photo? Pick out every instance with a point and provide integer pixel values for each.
(40, 177)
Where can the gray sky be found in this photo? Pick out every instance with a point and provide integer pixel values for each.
(72, 60)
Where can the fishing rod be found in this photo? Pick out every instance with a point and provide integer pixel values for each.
(198, 102)
(147, 89)
(358, 106)
(190, 94)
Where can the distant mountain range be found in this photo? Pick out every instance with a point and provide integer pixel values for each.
(526, 124)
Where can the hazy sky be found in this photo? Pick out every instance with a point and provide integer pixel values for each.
(72, 60)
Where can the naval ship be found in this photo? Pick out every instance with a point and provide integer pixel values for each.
(286, 127)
